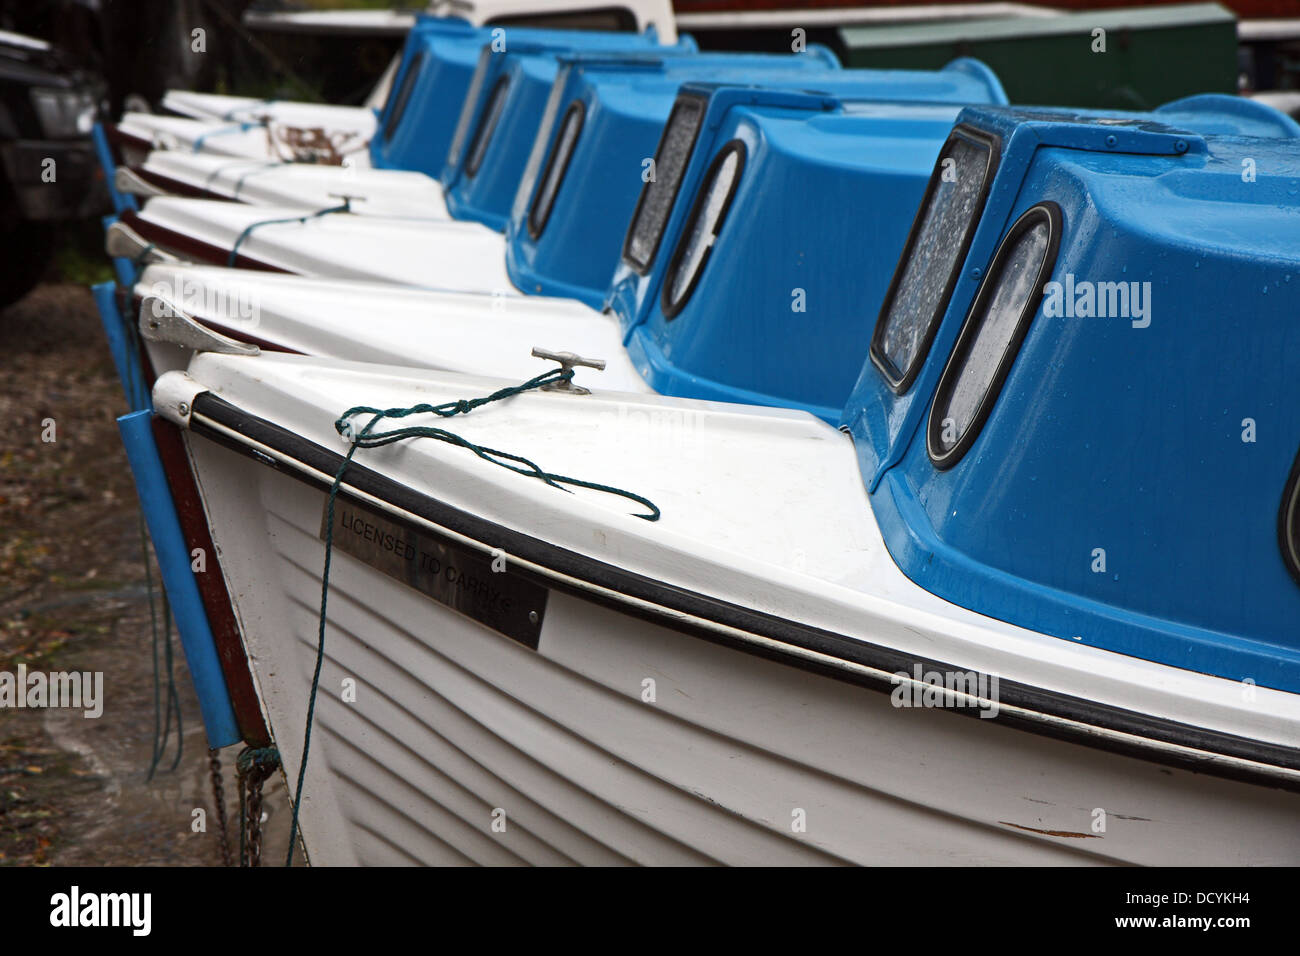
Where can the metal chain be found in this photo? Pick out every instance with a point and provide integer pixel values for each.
(242, 777)
(254, 767)
(219, 803)
(254, 820)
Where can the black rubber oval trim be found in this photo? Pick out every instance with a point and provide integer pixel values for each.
(1288, 522)
(976, 316)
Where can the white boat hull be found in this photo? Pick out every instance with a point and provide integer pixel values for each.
(743, 756)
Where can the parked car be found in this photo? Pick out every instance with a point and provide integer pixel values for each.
(48, 171)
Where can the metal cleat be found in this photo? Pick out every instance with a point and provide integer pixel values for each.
(568, 361)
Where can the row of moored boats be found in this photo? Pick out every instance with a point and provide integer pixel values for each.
(870, 470)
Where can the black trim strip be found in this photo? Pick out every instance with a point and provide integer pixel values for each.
(667, 602)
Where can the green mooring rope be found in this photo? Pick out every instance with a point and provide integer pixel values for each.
(246, 165)
(368, 438)
(233, 114)
(139, 260)
(161, 726)
(237, 128)
(239, 183)
(138, 398)
(346, 206)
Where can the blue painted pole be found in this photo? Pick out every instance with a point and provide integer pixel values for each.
(126, 272)
(178, 579)
(122, 348)
(121, 201)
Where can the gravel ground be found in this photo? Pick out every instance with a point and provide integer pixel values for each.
(73, 597)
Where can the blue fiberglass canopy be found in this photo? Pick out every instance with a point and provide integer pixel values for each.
(594, 150)
(417, 122)
(414, 126)
(502, 111)
(1081, 412)
(775, 216)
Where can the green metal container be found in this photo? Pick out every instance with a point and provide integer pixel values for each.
(1151, 54)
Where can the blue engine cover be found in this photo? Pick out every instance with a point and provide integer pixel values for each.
(414, 127)
(621, 105)
(419, 118)
(1124, 489)
(501, 114)
(777, 315)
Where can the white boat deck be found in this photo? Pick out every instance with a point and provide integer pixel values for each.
(215, 106)
(374, 192)
(475, 333)
(439, 254)
(234, 137)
